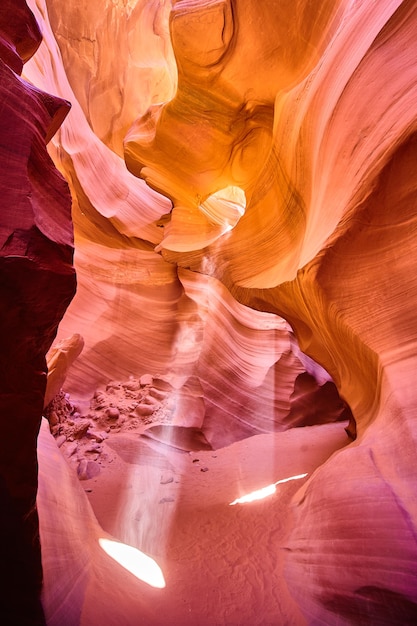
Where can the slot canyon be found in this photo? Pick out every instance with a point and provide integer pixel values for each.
(208, 286)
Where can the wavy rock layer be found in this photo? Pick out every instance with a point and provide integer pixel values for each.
(205, 547)
(37, 282)
(136, 314)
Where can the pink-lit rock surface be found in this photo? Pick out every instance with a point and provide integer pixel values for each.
(279, 154)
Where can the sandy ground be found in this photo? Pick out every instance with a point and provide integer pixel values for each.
(222, 564)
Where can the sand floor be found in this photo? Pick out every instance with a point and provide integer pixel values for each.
(221, 564)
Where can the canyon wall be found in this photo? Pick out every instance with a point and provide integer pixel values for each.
(135, 311)
(37, 282)
(270, 172)
(317, 125)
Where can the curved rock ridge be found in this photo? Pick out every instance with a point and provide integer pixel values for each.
(20, 35)
(230, 370)
(37, 282)
(123, 206)
(324, 168)
(92, 37)
(251, 372)
(223, 110)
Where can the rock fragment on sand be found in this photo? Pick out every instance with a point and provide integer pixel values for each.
(94, 448)
(158, 394)
(144, 409)
(146, 379)
(71, 449)
(166, 479)
(88, 469)
(53, 418)
(113, 413)
(152, 401)
(99, 436)
(132, 384)
(80, 428)
(60, 440)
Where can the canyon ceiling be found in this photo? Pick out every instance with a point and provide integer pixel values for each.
(243, 177)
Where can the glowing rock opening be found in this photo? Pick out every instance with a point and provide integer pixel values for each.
(225, 207)
(135, 562)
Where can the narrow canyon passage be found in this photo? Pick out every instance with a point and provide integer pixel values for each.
(208, 232)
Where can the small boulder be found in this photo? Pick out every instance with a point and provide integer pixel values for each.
(157, 394)
(131, 385)
(71, 449)
(146, 379)
(60, 440)
(151, 401)
(80, 428)
(98, 436)
(113, 413)
(88, 469)
(94, 448)
(144, 410)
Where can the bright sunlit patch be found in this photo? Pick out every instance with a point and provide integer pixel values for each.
(286, 480)
(259, 494)
(135, 561)
(256, 495)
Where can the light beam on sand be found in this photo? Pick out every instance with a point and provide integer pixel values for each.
(135, 562)
(259, 494)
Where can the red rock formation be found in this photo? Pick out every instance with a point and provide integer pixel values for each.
(36, 284)
(59, 359)
(288, 154)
